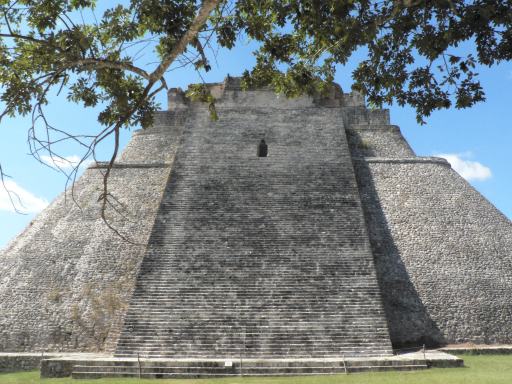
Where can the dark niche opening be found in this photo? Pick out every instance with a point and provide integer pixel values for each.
(262, 149)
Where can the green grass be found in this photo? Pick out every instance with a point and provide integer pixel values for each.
(495, 369)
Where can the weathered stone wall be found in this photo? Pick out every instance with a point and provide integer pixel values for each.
(443, 253)
(19, 362)
(377, 140)
(358, 115)
(65, 281)
(157, 144)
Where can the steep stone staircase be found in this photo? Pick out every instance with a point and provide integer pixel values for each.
(258, 257)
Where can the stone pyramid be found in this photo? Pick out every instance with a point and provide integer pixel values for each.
(339, 242)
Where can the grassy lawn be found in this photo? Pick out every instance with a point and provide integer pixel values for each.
(479, 370)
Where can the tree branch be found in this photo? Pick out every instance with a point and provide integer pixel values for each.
(30, 38)
(10, 194)
(206, 8)
(103, 63)
(157, 75)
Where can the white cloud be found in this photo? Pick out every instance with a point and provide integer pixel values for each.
(24, 201)
(65, 162)
(468, 169)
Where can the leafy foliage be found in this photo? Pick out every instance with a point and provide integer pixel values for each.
(409, 43)
(413, 54)
(200, 92)
(412, 46)
(47, 46)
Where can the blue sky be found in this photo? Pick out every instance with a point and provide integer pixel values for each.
(476, 141)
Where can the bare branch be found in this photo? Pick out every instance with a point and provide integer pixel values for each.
(53, 136)
(199, 21)
(10, 194)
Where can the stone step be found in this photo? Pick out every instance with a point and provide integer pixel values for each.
(248, 321)
(298, 280)
(337, 361)
(87, 372)
(132, 330)
(252, 301)
(246, 256)
(255, 303)
(268, 308)
(235, 354)
(295, 351)
(252, 298)
(166, 306)
(252, 345)
(155, 307)
(242, 281)
(166, 352)
(236, 346)
(330, 318)
(237, 341)
(269, 318)
(214, 342)
(246, 300)
(244, 271)
(236, 336)
(266, 325)
(264, 311)
(310, 255)
(253, 283)
(145, 285)
(284, 330)
(160, 286)
(266, 318)
(246, 303)
(227, 333)
(243, 258)
(251, 372)
(230, 297)
(254, 331)
(236, 327)
(202, 339)
(246, 316)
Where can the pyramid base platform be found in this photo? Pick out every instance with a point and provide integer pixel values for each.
(87, 366)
